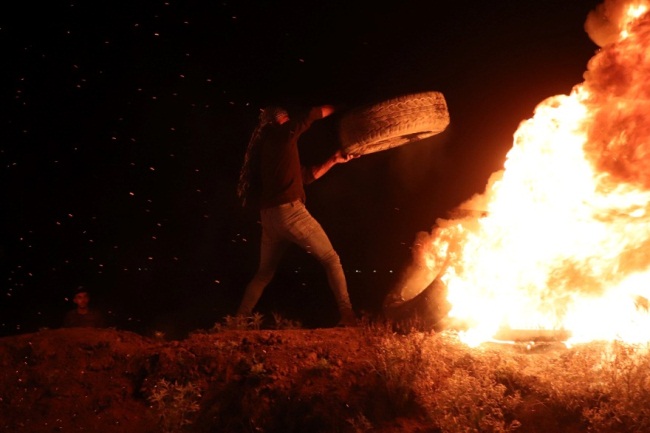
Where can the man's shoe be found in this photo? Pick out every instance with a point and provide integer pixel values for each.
(349, 320)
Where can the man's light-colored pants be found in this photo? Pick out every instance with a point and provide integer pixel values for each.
(292, 223)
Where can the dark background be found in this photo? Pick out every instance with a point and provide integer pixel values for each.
(125, 123)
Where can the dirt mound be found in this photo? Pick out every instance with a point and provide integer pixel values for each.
(365, 379)
(115, 381)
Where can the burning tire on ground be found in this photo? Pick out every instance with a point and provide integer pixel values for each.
(419, 291)
(427, 310)
(393, 122)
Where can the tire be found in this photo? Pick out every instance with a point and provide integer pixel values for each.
(393, 122)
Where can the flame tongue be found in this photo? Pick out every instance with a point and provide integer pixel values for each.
(566, 240)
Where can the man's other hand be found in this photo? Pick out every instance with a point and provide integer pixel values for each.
(341, 157)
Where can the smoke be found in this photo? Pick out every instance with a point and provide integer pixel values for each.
(602, 23)
(618, 82)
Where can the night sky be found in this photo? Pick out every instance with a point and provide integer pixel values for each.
(125, 124)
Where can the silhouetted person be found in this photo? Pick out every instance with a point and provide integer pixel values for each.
(271, 180)
(83, 315)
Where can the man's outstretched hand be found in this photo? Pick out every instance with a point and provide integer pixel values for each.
(340, 156)
(318, 170)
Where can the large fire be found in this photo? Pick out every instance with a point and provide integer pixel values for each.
(564, 240)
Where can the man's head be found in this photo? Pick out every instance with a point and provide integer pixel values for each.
(81, 298)
(273, 114)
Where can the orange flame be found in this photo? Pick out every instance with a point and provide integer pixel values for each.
(565, 240)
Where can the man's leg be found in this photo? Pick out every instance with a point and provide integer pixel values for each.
(271, 250)
(305, 231)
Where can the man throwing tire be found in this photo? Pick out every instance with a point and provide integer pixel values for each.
(271, 179)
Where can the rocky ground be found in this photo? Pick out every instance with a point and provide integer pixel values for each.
(105, 380)
(361, 379)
